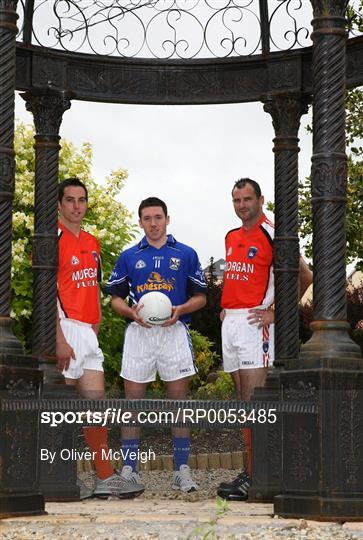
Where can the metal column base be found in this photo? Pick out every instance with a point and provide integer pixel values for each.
(25, 504)
(58, 480)
(319, 508)
(266, 444)
(322, 465)
(21, 379)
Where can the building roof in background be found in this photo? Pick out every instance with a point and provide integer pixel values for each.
(218, 268)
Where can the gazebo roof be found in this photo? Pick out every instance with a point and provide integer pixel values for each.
(170, 51)
(162, 29)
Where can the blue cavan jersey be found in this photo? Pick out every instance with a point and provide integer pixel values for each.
(174, 269)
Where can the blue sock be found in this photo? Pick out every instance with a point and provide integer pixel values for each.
(130, 446)
(181, 451)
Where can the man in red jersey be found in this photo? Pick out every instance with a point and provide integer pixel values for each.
(78, 319)
(247, 316)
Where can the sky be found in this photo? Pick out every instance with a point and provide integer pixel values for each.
(189, 156)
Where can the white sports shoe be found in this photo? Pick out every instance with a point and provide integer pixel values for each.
(117, 486)
(182, 480)
(84, 491)
(130, 476)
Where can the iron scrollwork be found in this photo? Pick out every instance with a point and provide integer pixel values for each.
(350, 423)
(299, 462)
(22, 388)
(285, 32)
(169, 28)
(299, 390)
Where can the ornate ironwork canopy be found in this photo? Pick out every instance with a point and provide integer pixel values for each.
(167, 28)
(170, 51)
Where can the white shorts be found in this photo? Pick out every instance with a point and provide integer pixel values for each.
(148, 350)
(245, 346)
(83, 340)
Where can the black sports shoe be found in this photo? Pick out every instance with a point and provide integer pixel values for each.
(237, 490)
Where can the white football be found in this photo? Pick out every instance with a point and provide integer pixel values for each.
(156, 308)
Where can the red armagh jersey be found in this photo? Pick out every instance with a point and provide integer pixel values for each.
(248, 274)
(78, 275)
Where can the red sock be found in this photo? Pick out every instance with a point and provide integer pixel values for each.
(247, 439)
(96, 438)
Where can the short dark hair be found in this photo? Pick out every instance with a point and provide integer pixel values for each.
(239, 184)
(152, 201)
(70, 182)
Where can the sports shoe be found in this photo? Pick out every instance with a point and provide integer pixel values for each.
(182, 480)
(130, 476)
(117, 486)
(237, 490)
(84, 491)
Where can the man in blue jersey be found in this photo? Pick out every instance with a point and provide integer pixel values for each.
(157, 262)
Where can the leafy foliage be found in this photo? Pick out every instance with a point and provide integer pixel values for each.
(355, 17)
(204, 358)
(206, 320)
(354, 105)
(107, 219)
(221, 387)
(354, 142)
(207, 531)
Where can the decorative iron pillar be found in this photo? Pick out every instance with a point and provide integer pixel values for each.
(47, 106)
(330, 340)
(8, 31)
(322, 457)
(58, 479)
(19, 376)
(286, 111)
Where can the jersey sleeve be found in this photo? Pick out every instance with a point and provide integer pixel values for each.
(99, 270)
(99, 264)
(60, 251)
(118, 283)
(196, 279)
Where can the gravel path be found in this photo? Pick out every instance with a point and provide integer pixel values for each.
(169, 532)
(162, 514)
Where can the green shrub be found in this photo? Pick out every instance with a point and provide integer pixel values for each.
(221, 388)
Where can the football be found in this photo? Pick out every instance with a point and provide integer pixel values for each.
(156, 308)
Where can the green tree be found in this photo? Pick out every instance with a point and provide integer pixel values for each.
(355, 15)
(354, 142)
(107, 219)
(354, 221)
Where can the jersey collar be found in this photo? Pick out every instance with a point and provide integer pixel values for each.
(170, 241)
(256, 225)
(65, 229)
